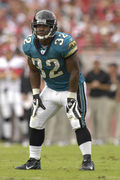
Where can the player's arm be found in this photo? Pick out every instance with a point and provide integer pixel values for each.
(104, 87)
(34, 75)
(72, 64)
(35, 81)
(72, 108)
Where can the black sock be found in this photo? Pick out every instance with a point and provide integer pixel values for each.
(82, 135)
(36, 136)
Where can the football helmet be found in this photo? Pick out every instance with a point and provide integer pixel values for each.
(45, 17)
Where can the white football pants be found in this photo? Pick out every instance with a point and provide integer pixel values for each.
(53, 101)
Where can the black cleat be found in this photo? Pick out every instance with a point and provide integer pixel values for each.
(30, 164)
(87, 165)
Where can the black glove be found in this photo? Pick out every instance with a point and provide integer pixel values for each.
(37, 102)
(72, 109)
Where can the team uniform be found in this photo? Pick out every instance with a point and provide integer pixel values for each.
(53, 53)
(51, 63)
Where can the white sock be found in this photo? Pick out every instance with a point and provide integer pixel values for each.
(35, 152)
(85, 148)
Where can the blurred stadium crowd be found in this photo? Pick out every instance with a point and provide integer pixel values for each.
(94, 24)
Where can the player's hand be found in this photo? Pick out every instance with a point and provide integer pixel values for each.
(72, 109)
(37, 102)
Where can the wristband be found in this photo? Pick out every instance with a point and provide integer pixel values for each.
(71, 94)
(36, 91)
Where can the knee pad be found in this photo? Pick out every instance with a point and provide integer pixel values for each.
(36, 123)
(75, 123)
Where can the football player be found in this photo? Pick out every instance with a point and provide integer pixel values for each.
(53, 55)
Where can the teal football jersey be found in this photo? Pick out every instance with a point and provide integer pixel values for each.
(51, 60)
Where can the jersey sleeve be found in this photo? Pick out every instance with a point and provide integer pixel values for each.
(69, 47)
(26, 46)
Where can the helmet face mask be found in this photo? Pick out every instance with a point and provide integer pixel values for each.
(42, 31)
(44, 18)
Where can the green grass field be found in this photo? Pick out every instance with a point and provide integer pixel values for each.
(60, 163)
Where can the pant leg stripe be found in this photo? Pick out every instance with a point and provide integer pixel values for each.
(82, 103)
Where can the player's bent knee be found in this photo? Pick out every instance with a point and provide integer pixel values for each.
(36, 123)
